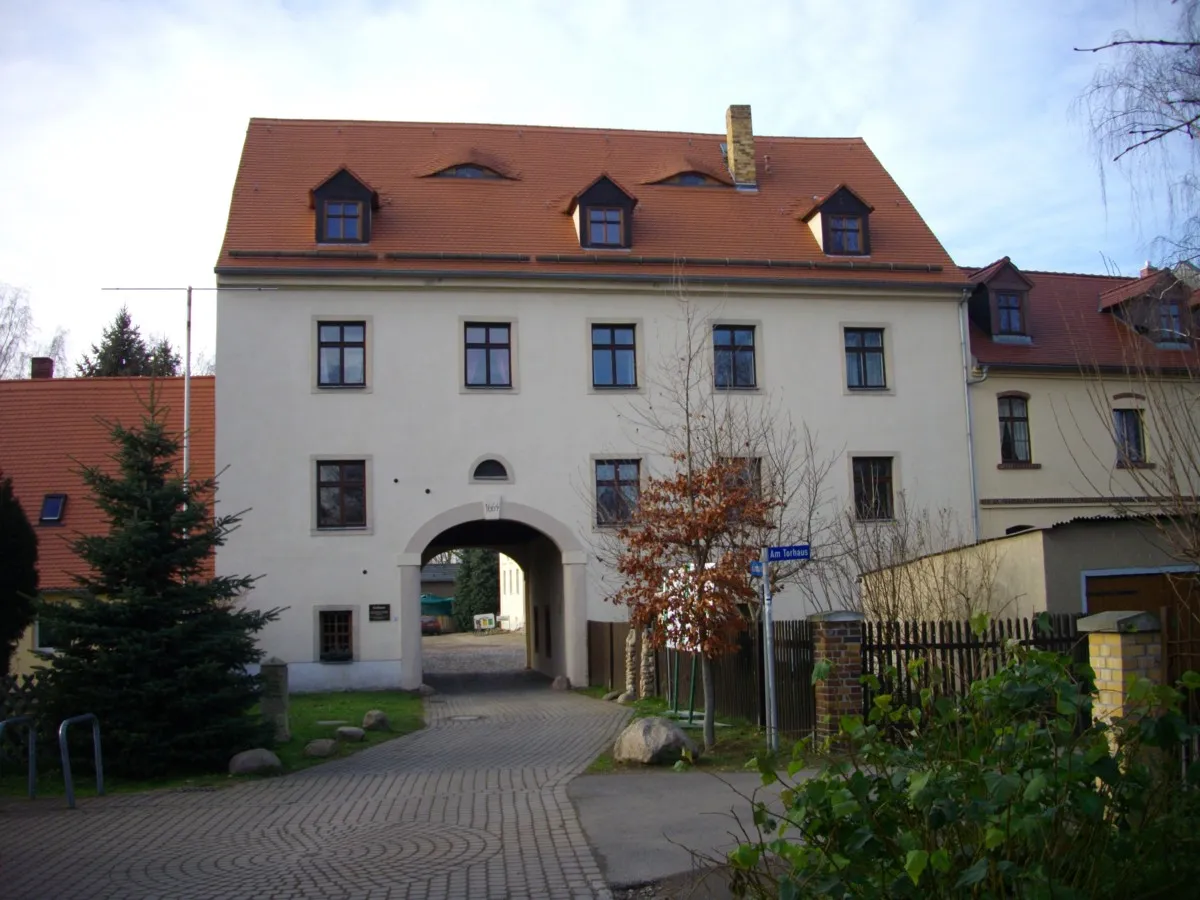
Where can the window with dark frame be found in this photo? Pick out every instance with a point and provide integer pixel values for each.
(341, 494)
(1015, 446)
(618, 486)
(1127, 430)
(845, 234)
(865, 370)
(733, 356)
(468, 170)
(873, 488)
(604, 226)
(1008, 314)
(614, 362)
(341, 354)
(489, 354)
(1170, 320)
(53, 507)
(46, 638)
(337, 643)
(343, 220)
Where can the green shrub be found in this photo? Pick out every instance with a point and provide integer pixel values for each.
(1002, 793)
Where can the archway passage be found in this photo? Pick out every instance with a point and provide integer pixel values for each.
(553, 622)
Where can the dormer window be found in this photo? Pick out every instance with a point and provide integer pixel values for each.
(1170, 320)
(343, 204)
(343, 221)
(468, 170)
(691, 179)
(840, 221)
(604, 227)
(1009, 319)
(845, 235)
(603, 214)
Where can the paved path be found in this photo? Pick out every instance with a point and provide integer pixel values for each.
(473, 807)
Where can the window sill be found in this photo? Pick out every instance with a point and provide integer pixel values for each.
(1023, 339)
(881, 389)
(882, 521)
(616, 388)
(1018, 465)
(349, 531)
(487, 387)
(341, 387)
(335, 662)
(1124, 464)
(738, 388)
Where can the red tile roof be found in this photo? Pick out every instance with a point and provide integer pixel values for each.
(514, 226)
(48, 427)
(1159, 282)
(1069, 330)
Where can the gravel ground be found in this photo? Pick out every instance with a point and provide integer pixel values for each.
(467, 653)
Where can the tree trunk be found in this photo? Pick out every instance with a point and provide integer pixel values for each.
(710, 703)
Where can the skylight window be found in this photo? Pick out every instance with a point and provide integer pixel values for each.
(53, 506)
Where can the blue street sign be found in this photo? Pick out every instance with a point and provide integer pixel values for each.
(756, 568)
(782, 554)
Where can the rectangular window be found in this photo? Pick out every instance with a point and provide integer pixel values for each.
(618, 484)
(613, 357)
(864, 359)
(845, 234)
(53, 507)
(1014, 430)
(341, 354)
(733, 349)
(1127, 429)
(750, 472)
(604, 227)
(336, 635)
(46, 638)
(342, 494)
(489, 354)
(873, 487)
(343, 221)
(1170, 322)
(1008, 312)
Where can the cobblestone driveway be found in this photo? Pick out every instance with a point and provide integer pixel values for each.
(474, 806)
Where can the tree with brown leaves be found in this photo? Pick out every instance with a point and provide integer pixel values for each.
(685, 557)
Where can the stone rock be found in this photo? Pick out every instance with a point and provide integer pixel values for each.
(627, 697)
(258, 761)
(652, 741)
(561, 683)
(612, 695)
(350, 733)
(425, 690)
(321, 748)
(376, 720)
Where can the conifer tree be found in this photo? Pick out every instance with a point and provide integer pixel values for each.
(123, 351)
(18, 572)
(157, 646)
(476, 587)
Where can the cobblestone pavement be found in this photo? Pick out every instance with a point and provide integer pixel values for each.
(474, 807)
(466, 652)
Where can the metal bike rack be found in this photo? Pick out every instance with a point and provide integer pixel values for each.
(27, 721)
(66, 757)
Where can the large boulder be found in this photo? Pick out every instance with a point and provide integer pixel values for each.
(561, 683)
(376, 720)
(320, 748)
(612, 695)
(651, 742)
(350, 733)
(258, 761)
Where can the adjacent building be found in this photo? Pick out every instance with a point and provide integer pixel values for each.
(431, 336)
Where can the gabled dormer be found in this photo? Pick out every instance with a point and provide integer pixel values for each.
(999, 305)
(343, 203)
(841, 222)
(1159, 305)
(603, 215)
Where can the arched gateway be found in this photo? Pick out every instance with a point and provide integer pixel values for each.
(554, 562)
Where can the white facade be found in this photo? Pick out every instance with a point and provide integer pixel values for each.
(421, 432)
(512, 594)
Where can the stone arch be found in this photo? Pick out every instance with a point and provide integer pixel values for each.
(562, 536)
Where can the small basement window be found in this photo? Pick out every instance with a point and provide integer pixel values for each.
(491, 470)
(53, 506)
(336, 644)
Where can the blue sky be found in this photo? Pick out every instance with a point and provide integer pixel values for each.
(123, 119)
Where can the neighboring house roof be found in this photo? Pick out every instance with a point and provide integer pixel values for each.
(513, 227)
(49, 427)
(439, 572)
(1069, 329)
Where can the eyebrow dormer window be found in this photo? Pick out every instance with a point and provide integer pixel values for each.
(343, 220)
(845, 235)
(468, 170)
(604, 227)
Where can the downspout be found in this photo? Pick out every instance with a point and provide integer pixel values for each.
(968, 381)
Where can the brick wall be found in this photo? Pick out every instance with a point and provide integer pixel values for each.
(1116, 656)
(837, 638)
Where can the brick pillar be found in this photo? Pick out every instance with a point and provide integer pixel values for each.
(274, 702)
(837, 637)
(1121, 644)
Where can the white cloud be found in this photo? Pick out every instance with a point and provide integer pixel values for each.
(123, 121)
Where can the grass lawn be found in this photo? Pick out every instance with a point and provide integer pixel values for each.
(405, 711)
(736, 743)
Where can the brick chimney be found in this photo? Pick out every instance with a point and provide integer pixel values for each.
(1147, 269)
(739, 147)
(41, 367)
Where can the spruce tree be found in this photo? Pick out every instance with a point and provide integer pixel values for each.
(157, 647)
(18, 572)
(123, 351)
(476, 587)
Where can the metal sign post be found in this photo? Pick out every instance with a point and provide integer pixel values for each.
(769, 654)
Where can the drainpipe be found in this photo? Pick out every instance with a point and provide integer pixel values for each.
(968, 381)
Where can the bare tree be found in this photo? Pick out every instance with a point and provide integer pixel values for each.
(1143, 110)
(16, 330)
